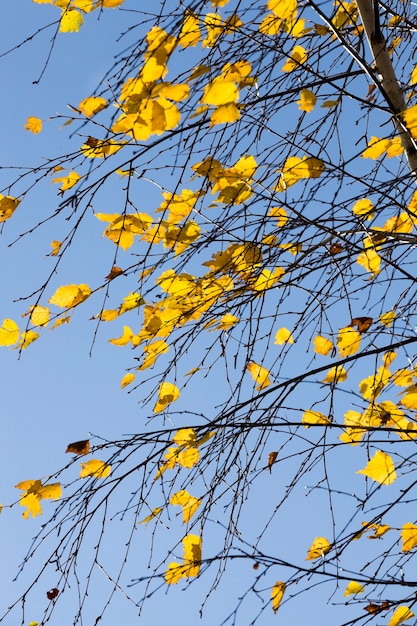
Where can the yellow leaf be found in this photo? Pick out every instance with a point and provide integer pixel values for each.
(409, 537)
(56, 247)
(336, 374)
(283, 335)
(152, 515)
(284, 9)
(227, 321)
(297, 57)
(91, 106)
(353, 588)
(34, 492)
(108, 315)
(96, 468)
(192, 550)
(8, 205)
(192, 560)
(409, 399)
(188, 457)
(152, 351)
(380, 468)
(267, 279)
(318, 549)
(67, 181)
(370, 260)
(127, 380)
(9, 332)
(280, 214)
(403, 377)
(71, 21)
(410, 119)
(167, 394)
(377, 529)
(374, 384)
(402, 614)
(307, 101)
(363, 208)
(69, 296)
(188, 503)
(130, 302)
(220, 91)
(314, 417)
(111, 4)
(277, 593)
(34, 124)
(26, 339)
(260, 375)
(190, 33)
(376, 147)
(224, 114)
(348, 341)
(124, 339)
(322, 345)
(296, 169)
(387, 319)
(213, 24)
(185, 437)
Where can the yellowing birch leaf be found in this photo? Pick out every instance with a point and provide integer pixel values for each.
(363, 208)
(401, 615)
(348, 341)
(370, 260)
(8, 205)
(227, 321)
(280, 214)
(190, 33)
(127, 380)
(33, 124)
(96, 468)
(9, 332)
(377, 529)
(188, 457)
(409, 117)
(71, 21)
(152, 515)
(296, 169)
(283, 335)
(224, 114)
(67, 181)
(314, 417)
(409, 399)
(39, 315)
(387, 319)
(92, 105)
(409, 537)
(111, 4)
(130, 302)
(336, 374)
(167, 394)
(188, 503)
(185, 437)
(307, 101)
(26, 339)
(69, 296)
(322, 345)
(124, 339)
(213, 24)
(284, 9)
(297, 57)
(56, 247)
(152, 351)
(260, 375)
(403, 378)
(267, 279)
(220, 91)
(34, 492)
(318, 549)
(376, 147)
(380, 468)
(277, 593)
(353, 588)
(192, 550)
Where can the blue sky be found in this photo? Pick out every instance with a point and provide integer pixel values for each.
(56, 392)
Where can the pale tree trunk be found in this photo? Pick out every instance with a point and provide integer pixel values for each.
(368, 10)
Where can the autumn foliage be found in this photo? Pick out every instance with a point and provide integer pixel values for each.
(263, 291)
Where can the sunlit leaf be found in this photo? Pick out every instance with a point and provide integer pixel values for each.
(380, 468)
(69, 296)
(336, 374)
(96, 468)
(124, 339)
(67, 181)
(8, 205)
(9, 333)
(71, 21)
(127, 380)
(188, 503)
(322, 345)
(409, 537)
(260, 375)
(401, 614)
(353, 588)
(277, 593)
(297, 57)
(318, 549)
(34, 492)
(348, 341)
(364, 208)
(92, 105)
(282, 336)
(307, 100)
(152, 515)
(167, 394)
(314, 417)
(33, 124)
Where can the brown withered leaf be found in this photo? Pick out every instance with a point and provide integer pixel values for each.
(79, 447)
(377, 608)
(362, 323)
(92, 142)
(272, 457)
(335, 248)
(115, 271)
(52, 593)
(369, 96)
(255, 566)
